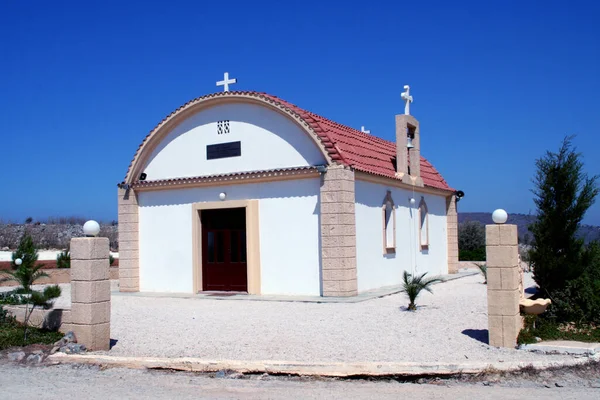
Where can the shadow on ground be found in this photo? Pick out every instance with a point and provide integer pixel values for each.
(478, 334)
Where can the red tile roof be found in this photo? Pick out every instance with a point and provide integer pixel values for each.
(359, 150)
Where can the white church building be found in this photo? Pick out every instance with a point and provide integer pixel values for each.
(246, 192)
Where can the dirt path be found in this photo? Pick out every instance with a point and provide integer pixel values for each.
(73, 382)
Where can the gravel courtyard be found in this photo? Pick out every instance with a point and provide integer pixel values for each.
(450, 326)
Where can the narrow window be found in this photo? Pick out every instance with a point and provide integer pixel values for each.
(423, 225)
(222, 127)
(389, 224)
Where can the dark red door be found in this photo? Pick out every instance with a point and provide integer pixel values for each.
(224, 250)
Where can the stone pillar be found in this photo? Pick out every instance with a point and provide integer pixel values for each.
(90, 292)
(452, 232)
(338, 233)
(502, 252)
(129, 271)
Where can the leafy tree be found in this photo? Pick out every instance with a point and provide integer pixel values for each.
(563, 193)
(26, 251)
(413, 285)
(29, 220)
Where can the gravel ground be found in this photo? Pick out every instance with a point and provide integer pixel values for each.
(450, 326)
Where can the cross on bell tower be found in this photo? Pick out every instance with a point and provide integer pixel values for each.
(407, 98)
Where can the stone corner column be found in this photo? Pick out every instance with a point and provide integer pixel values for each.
(129, 271)
(338, 233)
(452, 234)
(503, 278)
(90, 292)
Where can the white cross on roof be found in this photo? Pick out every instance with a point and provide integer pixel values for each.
(226, 82)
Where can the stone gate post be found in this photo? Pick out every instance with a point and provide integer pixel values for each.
(503, 276)
(90, 292)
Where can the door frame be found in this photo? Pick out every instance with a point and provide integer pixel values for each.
(252, 240)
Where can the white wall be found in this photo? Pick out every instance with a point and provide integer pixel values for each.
(289, 235)
(268, 138)
(375, 269)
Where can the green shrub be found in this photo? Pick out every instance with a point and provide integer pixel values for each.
(63, 259)
(471, 241)
(549, 329)
(472, 255)
(5, 317)
(111, 260)
(11, 335)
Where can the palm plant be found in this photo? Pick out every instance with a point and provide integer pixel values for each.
(483, 270)
(24, 276)
(413, 285)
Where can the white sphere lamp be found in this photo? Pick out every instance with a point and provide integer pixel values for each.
(18, 261)
(91, 228)
(499, 216)
(412, 201)
(222, 196)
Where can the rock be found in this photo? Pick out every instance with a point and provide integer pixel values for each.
(236, 375)
(54, 349)
(264, 377)
(70, 337)
(221, 374)
(538, 339)
(73, 348)
(486, 383)
(558, 384)
(5, 249)
(35, 358)
(17, 356)
(37, 352)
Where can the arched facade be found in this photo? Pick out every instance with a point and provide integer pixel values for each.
(152, 141)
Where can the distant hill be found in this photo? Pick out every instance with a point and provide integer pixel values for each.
(587, 232)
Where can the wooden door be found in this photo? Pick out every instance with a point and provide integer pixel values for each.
(224, 266)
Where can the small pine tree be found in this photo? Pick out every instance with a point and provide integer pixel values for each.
(563, 193)
(26, 251)
(63, 259)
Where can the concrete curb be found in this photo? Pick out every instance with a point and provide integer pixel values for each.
(563, 347)
(329, 369)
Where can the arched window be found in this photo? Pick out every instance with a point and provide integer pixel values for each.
(423, 225)
(389, 224)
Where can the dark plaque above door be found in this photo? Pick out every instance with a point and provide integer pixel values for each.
(223, 150)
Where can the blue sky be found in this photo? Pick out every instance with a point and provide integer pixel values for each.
(495, 84)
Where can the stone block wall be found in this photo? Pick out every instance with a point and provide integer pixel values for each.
(503, 279)
(129, 271)
(338, 233)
